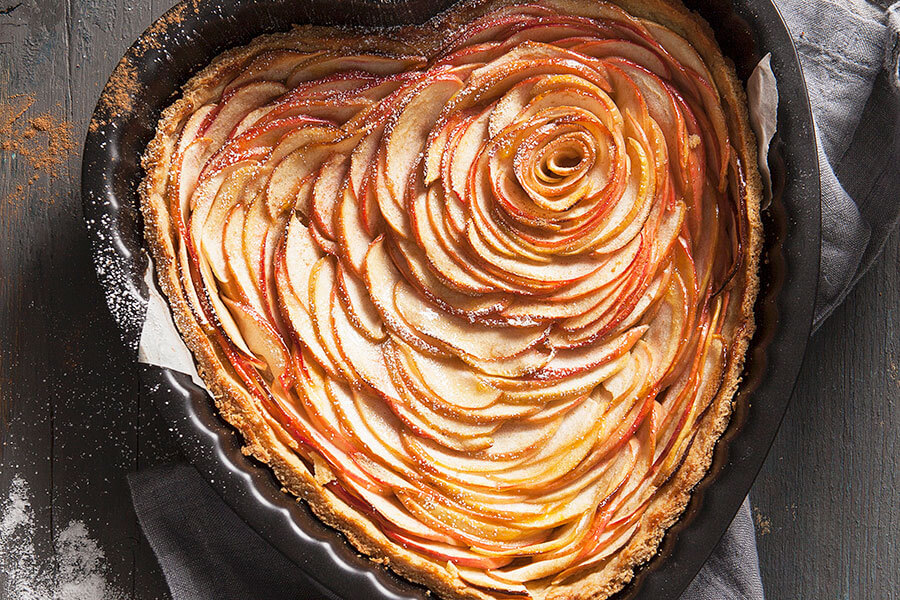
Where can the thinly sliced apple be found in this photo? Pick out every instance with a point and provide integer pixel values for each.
(454, 554)
(230, 193)
(326, 193)
(406, 139)
(381, 277)
(321, 289)
(241, 284)
(454, 428)
(491, 584)
(360, 310)
(461, 336)
(430, 284)
(433, 238)
(296, 314)
(571, 361)
(233, 107)
(263, 339)
(322, 65)
(272, 65)
(449, 380)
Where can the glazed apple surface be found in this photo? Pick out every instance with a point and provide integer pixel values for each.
(480, 290)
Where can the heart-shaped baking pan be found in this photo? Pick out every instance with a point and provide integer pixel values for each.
(191, 34)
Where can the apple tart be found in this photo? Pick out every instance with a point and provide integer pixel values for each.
(479, 291)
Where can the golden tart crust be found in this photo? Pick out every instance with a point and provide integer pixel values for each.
(267, 440)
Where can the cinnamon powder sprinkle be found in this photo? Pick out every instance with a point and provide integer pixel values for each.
(118, 95)
(43, 141)
(118, 98)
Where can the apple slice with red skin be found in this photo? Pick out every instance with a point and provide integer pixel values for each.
(312, 391)
(519, 439)
(445, 552)
(444, 255)
(490, 584)
(381, 276)
(457, 407)
(629, 50)
(531, 390)
(295, 313)
(341, 464)
(358, 304)
(447, 379)
(300, 256)
(321, 289)
(540, 277)
(235, 105)
(240, 284)
(327, 192)
(397, 516)
(258, 238)
(264, 340)
(307, 149)
(368, 420)
(668, 331)
(576, 360)
(425, 429)
(257, 141)
(389, 204)
(208, 240)
(606, 546)
(473, 308)
(190, 131)
(529, 59)
(184, 174)
(324, 64)
(552, 307)
(436, 147)
(463, 146)
(480, 533)
(405, 138)
(459, 335)
(353, 239)
(567, 446)
(269, 65)
(459, 430)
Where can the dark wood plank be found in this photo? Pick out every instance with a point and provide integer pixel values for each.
(71, 411)
(827, 500)
(100, 32)
(34, 222)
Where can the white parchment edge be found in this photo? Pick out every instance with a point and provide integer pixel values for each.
(161, 344)
(762, 100)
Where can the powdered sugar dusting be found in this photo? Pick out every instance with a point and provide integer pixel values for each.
(113, 262)
(79, 572)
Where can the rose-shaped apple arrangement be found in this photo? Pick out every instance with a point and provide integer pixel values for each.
(479, 289)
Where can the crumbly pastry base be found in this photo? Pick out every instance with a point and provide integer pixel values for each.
(264, 438)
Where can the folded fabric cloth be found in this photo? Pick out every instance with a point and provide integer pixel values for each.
(849, 51)
(205, 550)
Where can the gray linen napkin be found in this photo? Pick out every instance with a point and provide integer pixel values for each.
(849, 50)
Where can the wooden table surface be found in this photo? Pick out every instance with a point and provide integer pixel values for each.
(72, 423)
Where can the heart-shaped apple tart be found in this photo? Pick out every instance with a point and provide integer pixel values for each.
(479, 291)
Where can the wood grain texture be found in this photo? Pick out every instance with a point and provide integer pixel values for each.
(71, 414)
(73, 423)
(827, 502)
